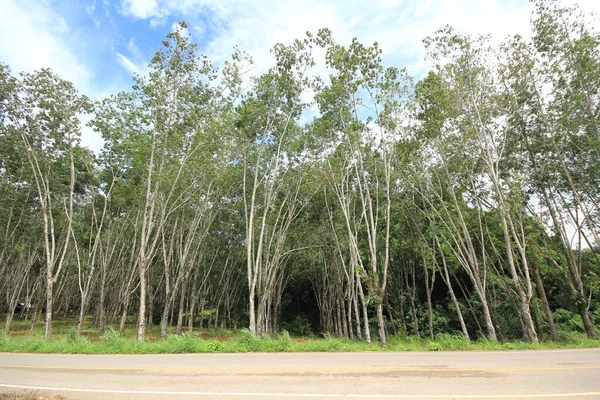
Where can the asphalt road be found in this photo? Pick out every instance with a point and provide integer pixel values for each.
(560, 374)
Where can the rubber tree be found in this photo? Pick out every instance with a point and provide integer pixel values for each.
(471, 75)
(270, 138)
(363, 112)
(441, 178)
(45, 111)
(552, 98)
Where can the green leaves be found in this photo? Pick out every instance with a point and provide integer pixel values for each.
(325, 179)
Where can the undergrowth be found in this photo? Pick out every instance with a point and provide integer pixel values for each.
(113, 342)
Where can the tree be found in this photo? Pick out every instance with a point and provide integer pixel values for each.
(363, 110)
(44, 110)
(271, 141)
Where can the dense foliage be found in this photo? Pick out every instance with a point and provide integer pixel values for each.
(365, 202)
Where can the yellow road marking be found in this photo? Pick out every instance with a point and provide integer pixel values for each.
(302, 369)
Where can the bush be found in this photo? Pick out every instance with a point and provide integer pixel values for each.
(180, 344)
(4, 339)
(567, 321)
(111, 335)
(73, 336)
(214, 346)
(247, 336)
(300, 326)
(435, 346)
(454, 341)
(285, 342)
(114, 342)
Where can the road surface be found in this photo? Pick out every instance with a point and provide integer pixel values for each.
(558, 374)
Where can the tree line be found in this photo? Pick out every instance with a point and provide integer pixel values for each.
(361, 203)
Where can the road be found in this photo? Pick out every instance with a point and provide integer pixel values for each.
(560, 374)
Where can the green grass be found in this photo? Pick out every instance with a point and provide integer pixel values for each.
(66, 340)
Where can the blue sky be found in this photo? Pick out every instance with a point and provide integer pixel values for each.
(99, 44)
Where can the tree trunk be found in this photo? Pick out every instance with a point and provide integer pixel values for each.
(364, 310)
(412, 295)
(164, 318)
(487, 316)
(583, 311)
(381, 324)
(448, 282)
(251, 310)
(542, 292)
(428, 290)
(48, 326)
(356, 312)
(523, 297)
(390, 316)
(142, 310)
(181, 308)
(192, 310)
(81, 314)
(101, 305)
(124, 315)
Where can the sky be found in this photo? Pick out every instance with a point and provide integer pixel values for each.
(100, 44)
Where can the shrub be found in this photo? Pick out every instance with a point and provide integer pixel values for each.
(435, 346)
(285, 342)
(214, 346)
(452, 341)
(111, 336)
(247, 336)
(4, 340)
(73, 335)
(567, 321)
(300, 326)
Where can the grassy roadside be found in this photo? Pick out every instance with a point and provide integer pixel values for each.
(219, 341)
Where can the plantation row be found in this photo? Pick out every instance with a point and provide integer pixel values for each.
(359, 203)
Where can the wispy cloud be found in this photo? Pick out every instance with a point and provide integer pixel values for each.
(128, 64)
(99, 44)
(397, 25)
(33, 38)
(135, 63)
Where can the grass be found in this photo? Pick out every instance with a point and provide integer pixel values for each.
(66, 340)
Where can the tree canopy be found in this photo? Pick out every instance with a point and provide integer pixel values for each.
(462, 200)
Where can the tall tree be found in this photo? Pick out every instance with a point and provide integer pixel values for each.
(44, 110)
(272, 148)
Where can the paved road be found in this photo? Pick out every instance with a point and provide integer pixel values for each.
(572, 374)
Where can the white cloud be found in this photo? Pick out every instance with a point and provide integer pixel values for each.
(135, 63)
(397, 25)
(154, 22)
(142, 8)
(35, 36)
(128, 64)
(90, 138)
(32, 39)
(422, 7)
(176, 27)
(133, 48)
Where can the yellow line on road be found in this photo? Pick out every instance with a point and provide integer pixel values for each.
(302, 369)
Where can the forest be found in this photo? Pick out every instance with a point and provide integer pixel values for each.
(329, 194)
